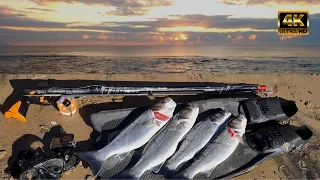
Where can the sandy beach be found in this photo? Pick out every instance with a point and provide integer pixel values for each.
(304, 89)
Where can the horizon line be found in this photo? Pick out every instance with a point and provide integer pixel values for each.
(183, 45)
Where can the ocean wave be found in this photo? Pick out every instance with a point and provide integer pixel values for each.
(171, 64)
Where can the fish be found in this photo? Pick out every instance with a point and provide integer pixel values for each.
(134, 136)
(196, 139)
(217, 150)
(164, 144)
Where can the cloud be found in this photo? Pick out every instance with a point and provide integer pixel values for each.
(174, 30)
(103, 37)
(85, 37)
(39, 29)
(232, 2)
(236, 38)
(263, 2)
(239, 37)
(252, 37)
(123, 7)
(41, 9)
(9, 12)
(21, 37)
(217, 21)
(187, 23)
(19, 21)
(127, 11)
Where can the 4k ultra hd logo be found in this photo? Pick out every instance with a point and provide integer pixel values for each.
(293, 22)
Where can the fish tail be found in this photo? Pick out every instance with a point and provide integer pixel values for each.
(94, 160)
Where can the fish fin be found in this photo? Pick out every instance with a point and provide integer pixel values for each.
(156, 169)
(122, 155)
(240, 139)
(209, 172)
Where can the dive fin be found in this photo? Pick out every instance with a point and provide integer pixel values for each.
(93, 159)
(156, 169)
(266, 109)
(122, 155)
(263, 140)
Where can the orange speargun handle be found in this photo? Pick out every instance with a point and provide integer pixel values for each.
(18, 111)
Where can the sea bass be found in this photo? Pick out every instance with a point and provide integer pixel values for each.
(164, 144)
(134, 136)
(196, 139)
(218, 149)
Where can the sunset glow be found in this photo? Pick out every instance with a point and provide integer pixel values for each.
(202, 29)
(33, 22)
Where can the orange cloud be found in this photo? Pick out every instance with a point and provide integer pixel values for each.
(263, 2)
(252, 36)
(235, 39)
(282, 38)
(176, 39)
(82, 43)
(103, 37)
(180, 37)
(159, 39)
(205, 29)
(85, 37)
(44, 29)
(183, 37)
(194, 42)
(239, 37)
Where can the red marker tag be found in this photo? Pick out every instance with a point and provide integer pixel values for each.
(231, 132)
(262, 88)
(160, 116)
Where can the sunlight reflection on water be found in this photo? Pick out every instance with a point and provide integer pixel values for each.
(166, 59)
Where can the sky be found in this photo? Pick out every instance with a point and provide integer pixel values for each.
(151, 22)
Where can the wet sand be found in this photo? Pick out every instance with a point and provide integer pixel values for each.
(303, 89)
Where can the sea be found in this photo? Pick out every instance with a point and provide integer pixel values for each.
(160, 59)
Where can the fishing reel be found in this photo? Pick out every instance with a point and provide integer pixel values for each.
(38, 164)
(67, 105)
